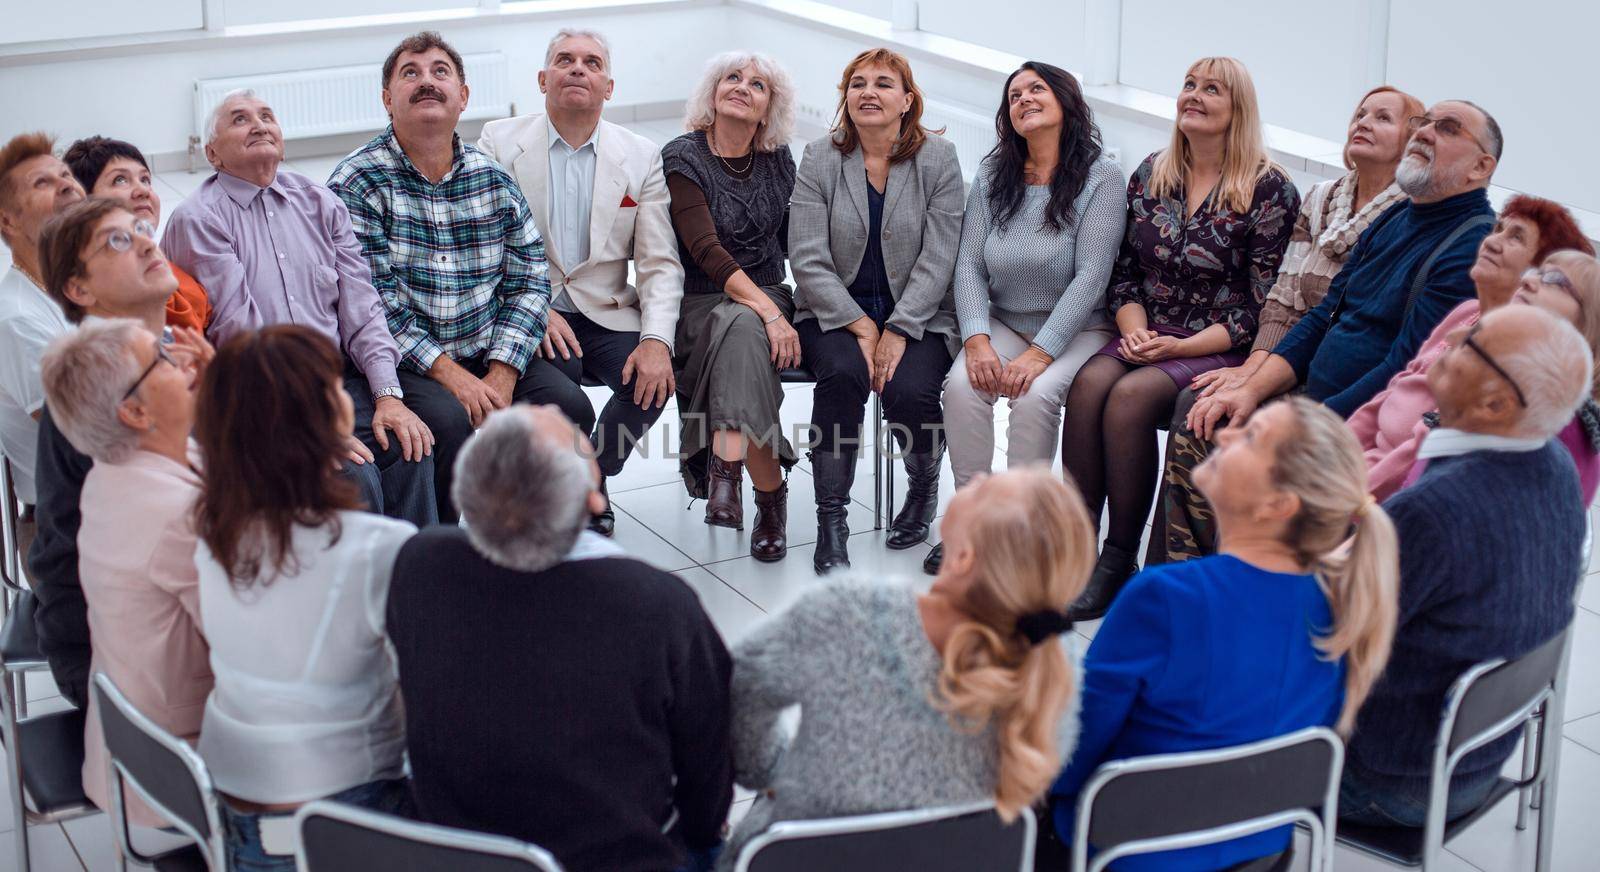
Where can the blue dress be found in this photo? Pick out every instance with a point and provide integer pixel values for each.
(1199, 655)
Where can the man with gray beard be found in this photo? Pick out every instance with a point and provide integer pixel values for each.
(1407, 271)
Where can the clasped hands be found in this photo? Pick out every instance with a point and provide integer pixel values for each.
(1013, 379)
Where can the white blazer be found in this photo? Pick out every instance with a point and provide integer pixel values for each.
(627, 170)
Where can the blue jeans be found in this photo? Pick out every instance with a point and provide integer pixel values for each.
(242, 830)
(1365, 801)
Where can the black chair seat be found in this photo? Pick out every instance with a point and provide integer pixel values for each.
(185, 859)
(52, 761)
(19, 641)
(797, 375)
(1403, 845)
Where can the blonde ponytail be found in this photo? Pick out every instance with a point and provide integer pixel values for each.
(1321, 463)
(1035, 551)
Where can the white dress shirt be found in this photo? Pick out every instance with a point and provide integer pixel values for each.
(29, 321)
(1449, 442)
(307, 699)
(571, 202)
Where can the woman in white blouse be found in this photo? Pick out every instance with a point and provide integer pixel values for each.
(293, 583)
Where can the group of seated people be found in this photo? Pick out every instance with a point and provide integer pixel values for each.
(323, 449)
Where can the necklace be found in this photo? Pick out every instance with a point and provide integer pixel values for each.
(29, 273)
(750, 158)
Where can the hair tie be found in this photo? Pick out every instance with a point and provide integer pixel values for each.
(1361, 510)
(1043, 625)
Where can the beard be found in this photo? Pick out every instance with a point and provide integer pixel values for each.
(1423, 179)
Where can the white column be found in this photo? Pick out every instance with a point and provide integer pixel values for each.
(212, 14)
(1102, 41)
(1377, 70)
(903, 15)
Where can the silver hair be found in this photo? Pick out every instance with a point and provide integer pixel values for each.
(85, 373)
(568, 33)
(521, 492)
(1554, 368)
(778, 127)
(214, 120)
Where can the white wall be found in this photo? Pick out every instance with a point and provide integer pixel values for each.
(1049, 31)
(263, 12)
(146, 99)
(1531, 65)
(875, 8)
(30, 20)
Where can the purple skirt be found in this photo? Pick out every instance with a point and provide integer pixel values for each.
(1181, 370)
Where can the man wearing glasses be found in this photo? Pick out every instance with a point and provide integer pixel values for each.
(270, 246)
(1490, 540)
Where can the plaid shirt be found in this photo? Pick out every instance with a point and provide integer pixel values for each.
(459, 264)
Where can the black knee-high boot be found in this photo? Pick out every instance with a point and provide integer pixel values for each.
(911, 525)
(834, 472)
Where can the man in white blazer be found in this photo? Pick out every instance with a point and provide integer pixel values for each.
(599, 197)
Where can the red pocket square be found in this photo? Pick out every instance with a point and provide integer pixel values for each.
(627, 201)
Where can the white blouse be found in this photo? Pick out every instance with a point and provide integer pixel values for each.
(306, 702)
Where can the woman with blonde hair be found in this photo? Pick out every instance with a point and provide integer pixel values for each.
(961, 694)
(1209, 218)
(873, 228)
(1287, 627)
(730, 178)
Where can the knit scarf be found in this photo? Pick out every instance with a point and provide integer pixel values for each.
(1341, 228)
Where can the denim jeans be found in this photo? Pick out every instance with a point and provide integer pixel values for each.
(243, 829)
(1365, 802)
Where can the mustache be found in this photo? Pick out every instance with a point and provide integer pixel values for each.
(427, 92)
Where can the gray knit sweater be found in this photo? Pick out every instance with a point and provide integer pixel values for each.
(852, 655)
(1046, 286)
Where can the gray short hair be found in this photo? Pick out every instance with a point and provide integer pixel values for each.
(85, 374)
(568, 33)
(522, 492)
(777, 130)
(214, 120)
(1554, 368)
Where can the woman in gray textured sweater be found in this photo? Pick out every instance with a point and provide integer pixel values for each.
(1043, 223)
(960, 694)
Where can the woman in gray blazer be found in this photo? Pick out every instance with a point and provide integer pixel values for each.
(873, 228)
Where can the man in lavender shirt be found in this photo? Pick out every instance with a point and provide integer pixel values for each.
(270, 246)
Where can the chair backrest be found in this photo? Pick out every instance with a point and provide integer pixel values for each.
(952, 839)
(10, 518)
(161, 768)
(1494, 698)
(1170, 801)
(335, 837)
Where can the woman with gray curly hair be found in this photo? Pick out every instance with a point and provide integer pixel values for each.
(730, 178)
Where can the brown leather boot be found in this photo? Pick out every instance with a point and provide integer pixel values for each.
(769, 540)
(725, 493)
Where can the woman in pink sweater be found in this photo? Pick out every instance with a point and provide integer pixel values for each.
(1390, 426)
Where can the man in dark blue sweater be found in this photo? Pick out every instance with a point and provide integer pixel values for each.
(1377, 314)
(1490, 542)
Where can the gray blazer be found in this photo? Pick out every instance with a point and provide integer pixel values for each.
(921, 233)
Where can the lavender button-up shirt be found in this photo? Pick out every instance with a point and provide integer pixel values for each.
(283, 254)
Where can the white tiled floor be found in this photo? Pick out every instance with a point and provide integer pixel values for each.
(657, 524)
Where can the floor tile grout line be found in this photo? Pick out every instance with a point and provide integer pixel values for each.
(664, 540)
(73, 845)
(729, 585)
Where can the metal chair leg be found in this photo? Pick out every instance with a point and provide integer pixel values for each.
(19, 808)
(1525, 795)
(877, 464)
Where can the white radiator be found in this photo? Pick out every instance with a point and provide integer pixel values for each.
(347, 99)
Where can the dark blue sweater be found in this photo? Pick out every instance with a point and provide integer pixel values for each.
(1345, 361)
(1490, 547)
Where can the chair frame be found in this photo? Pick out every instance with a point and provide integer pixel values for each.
(413, 831)
(1540, 717)
(1321, 825)
(214, 848)
(785, 831)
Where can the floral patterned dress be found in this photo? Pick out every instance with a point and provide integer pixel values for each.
(1213, 267)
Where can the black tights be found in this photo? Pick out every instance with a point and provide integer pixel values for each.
(1118, 406)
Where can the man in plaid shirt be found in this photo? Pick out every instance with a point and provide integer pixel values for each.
(455, 255)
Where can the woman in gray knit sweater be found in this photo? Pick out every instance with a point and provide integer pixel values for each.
(911, 700)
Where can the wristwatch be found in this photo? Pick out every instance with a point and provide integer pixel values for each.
(388, 392)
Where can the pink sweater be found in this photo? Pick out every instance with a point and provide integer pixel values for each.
(1389, 427)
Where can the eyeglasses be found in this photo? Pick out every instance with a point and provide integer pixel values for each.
(1447, 126)
(122, 240)
(161, 355)
(1471, 343)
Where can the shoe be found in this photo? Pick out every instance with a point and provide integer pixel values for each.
(725, 493)
(1111, 572)
(911, 525)
(834, 473)
(769, 539)
(930, 564)
(604, 523)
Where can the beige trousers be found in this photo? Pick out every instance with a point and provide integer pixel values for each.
(1034, 430)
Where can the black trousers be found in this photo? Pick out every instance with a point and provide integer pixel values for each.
(622, 423)
(390, 485)
(910, 399)
(448, 419)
